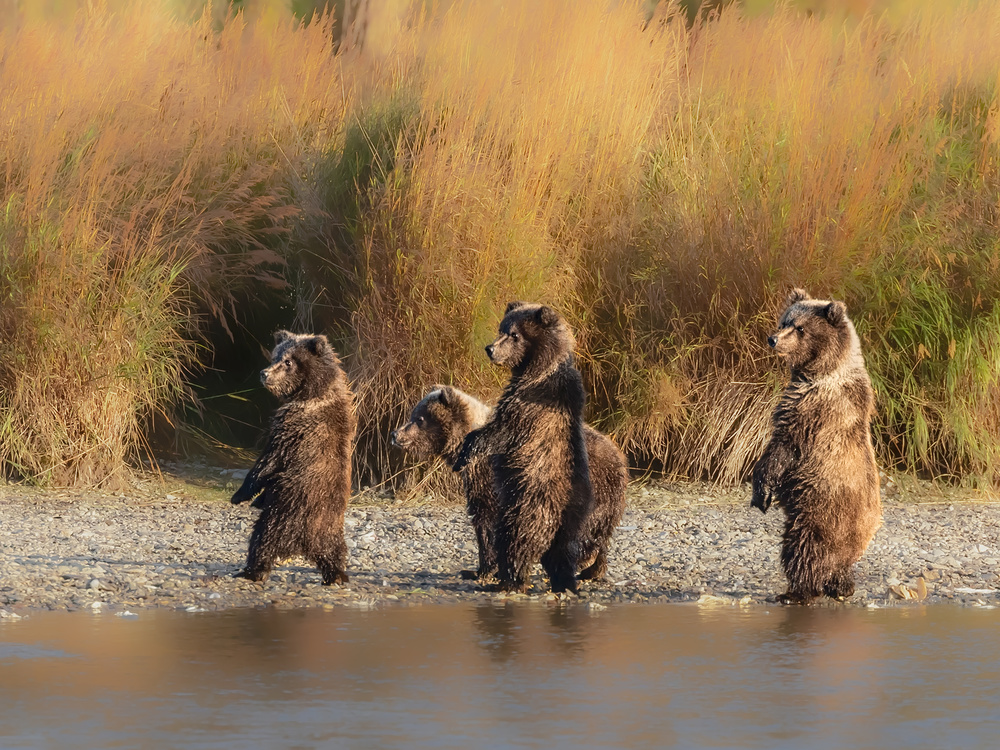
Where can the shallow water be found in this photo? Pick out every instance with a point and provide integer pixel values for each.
(494, 676)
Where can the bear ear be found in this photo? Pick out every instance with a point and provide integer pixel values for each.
(511, 306)
(317, 345)
(546, 316)
(282, 335)
(836, 313)
(796, 295)
(447, 395)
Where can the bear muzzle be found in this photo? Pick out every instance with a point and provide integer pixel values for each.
(772, 341)
(489, 351)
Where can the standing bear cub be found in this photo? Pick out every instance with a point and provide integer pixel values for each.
(302, 480)
(819, 465)
(536, 448)
(437, 427)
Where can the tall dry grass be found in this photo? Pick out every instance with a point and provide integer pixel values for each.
(146, 179)
(665, 187)
(663, 184)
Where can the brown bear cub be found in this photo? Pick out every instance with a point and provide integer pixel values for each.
(438, 425)
(302, 480)
(536, 448)
(819, 465)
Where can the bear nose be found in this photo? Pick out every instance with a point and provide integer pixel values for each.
(392, 435)
(773, 341)
(263, 377)
(489, 351)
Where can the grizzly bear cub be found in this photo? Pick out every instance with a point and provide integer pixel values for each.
(302, 480)
(819, 465)
(535, 444)
(437, 426)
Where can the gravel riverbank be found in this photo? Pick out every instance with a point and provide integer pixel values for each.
(160, 547)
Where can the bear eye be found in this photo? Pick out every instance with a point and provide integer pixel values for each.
(288, 363)
(800, 329)
(420, 421)
(514, 336)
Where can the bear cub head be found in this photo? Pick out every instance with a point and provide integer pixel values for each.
(303, 367)
(814, 336)
(531, 337)
(439, 423)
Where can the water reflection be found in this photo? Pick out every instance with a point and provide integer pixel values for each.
(503, 675)
(509, 631)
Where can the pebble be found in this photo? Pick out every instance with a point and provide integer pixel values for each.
(685, 543)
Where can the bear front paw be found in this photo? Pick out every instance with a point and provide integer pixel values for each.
(258, 576)
(761, 500)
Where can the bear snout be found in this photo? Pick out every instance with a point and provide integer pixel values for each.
(772, 341)
(393, 436)
(263, 376)
(489, 351)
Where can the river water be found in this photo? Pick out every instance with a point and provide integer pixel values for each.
(504, 675)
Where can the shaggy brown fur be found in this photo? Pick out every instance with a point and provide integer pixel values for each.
(437, 426)
(302, 480)
(536, 448)
(819, 465)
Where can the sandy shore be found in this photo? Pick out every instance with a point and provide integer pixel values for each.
(176, 545)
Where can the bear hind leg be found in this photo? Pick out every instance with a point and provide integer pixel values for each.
(487, 556)
(522, 536)
(840, 585)
(265, 548)
(596, 570)
(560, 565)
(331, 560)
(806, 564)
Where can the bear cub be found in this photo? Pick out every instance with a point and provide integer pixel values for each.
(437, 427)
(819, 465)
(302, 480)
(535, 445)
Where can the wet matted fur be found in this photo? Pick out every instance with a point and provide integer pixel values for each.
(302, 480)
(537, 450)
(437, 427)
(819, 465)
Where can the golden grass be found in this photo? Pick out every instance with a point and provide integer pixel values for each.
(662, 184)
(665, 187)
(140, 183)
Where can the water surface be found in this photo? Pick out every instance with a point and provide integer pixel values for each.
(497, 676)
